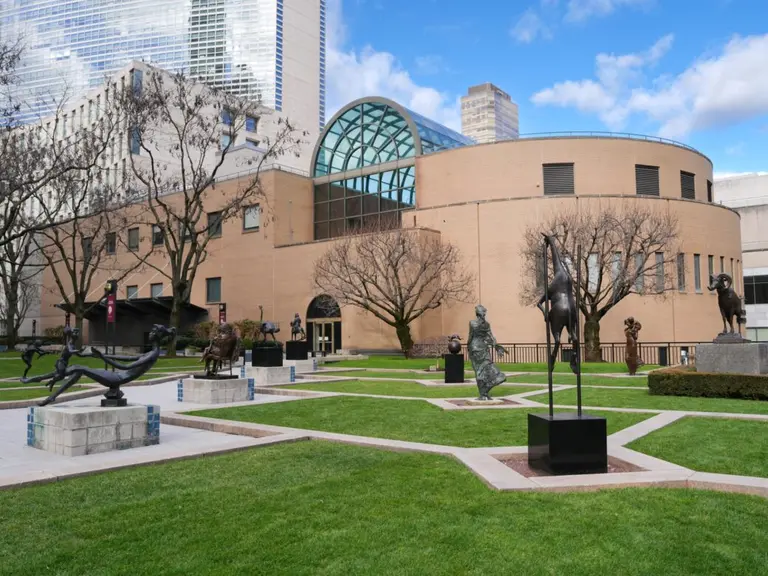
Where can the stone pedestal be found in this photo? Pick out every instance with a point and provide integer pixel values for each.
(732, 358)
(478, 402)
(79, 430)
(568, 444)
(302, 366)
(201, 391)
(297, 350)
(267, 356)
(267, 376)
(454, 368)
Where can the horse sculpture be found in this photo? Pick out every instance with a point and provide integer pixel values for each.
(728, 300)
(297, 332)
(225, 346)
(266, 327)
(562, 306)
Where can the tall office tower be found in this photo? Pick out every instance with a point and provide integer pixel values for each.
(488, 114)
(268, 49)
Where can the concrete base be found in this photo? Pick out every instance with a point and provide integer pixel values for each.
(265, 376)
(302, 366)
(200, 391)
(748, 358)
(80, 430)
(478, 402)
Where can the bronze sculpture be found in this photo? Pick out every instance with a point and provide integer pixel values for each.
(297, 332)
(562, 306)
(631, 331)
(29, 353)
(454, 344)
(225, 346)
(479, 345)
(730, 304)
(266, 327)
(62, 362)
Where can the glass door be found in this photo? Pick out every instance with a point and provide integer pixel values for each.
(323, 337)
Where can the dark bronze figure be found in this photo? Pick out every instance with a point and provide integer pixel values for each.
(266, 327)
(297, 332)
(225, 346)
(454, 344)
(479, 345)
(729, 302)
(631, 331)
(562, 306)
(62, 362)
(29, 353)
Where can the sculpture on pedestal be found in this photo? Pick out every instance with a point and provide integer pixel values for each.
(225, 346)
(29, 353)
(730, 307)
(266, 327)
(454, 344)
(562, 306)
(297, 332)
(479, 345)
(60, 368)
(631, 331)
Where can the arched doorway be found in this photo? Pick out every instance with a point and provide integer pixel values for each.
(324, 325)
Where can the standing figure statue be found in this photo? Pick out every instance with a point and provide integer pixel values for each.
(631, 331)
(29, 353)
(62, 362)
(297, 332)
(729, 303)
(562, 306)
(479, 345)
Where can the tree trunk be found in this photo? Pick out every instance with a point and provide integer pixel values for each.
(79, 325)
(12, 303)
(175, 322)
(592, 339)
(404, 335)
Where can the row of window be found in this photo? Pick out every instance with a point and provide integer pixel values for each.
(558, 179)
(756, 289)
(212, 290)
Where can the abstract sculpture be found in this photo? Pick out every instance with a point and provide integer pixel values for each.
(562, 306)
(730, 305)
(631, 331)
(266, 327)
(225, 346)
(297, 332)
(29, 353)
(111, 379)
(454, 344)
(479, 345)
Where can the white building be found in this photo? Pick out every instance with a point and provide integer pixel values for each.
(748, 195)
(488, 114)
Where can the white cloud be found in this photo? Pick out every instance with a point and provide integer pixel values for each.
(720, 90)
(530, 26)
(726, 175)
(580, 10)
(354, 74)
(430, 64)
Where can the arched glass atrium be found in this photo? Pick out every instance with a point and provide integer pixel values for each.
(364, 164)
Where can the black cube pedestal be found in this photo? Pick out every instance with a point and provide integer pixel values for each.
(267, 356)
(454, 368)
(568, 444)
(296, 350)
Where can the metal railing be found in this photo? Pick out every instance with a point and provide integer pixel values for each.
(598, 134)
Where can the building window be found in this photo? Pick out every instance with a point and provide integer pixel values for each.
(647, 180)
(558, 178)
(687, 185)
(709, 191)
(135, 141)
(87, 249)
(156, 290)
(252, 217)
(133, 239)
(711, 265)
(722, 264)
(639, 265)
(251, 143)
(681, 272)
(213, 290)
(659, 272)
(214, 224)
(226, 117)
(697, 272)
(251, 123)
(616, 266)
(131, 292)
(111, 245)
(226, 139)
(157, 235)
(756, 289)
(593, 271)
(137, 77)
(732, 276)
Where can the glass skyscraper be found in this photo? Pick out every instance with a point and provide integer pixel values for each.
(268, 49)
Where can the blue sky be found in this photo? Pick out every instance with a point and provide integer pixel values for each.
(695, 71)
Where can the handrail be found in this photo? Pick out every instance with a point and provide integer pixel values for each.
(603, 134)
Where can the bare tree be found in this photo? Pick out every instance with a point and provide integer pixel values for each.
(182, 132)
(624, 251)
(397, 275)
(20, 283)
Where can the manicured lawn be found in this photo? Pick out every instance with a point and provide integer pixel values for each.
(604, 397)
(586, 380)
(404, 388)
(15, 368)
(411, 420)
(711, 445)
(417, 375)
(7, 395)
(314, 508)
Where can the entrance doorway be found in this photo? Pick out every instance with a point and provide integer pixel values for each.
(324, 325)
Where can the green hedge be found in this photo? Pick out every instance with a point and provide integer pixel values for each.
(682, 382)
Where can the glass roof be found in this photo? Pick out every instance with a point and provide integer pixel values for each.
(375, 131)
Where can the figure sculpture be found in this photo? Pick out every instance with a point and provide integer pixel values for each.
(29, 353)
(225, 346)
(729, 302)
(479, 345)
(266, 327)
(562, 306)
(454, 344)
(631, 331)
(62, 362)
(111, 379)
(297, 332)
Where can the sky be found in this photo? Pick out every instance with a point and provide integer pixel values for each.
(694, 71)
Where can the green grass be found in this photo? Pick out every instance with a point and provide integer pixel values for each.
(711, 445)
(7, 395)
(418, 375)
(604, 397)
(411, 420)
(404, 388)
(314, 508)
(586, 380)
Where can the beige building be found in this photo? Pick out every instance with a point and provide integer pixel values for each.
(488, 114)
(376, 159)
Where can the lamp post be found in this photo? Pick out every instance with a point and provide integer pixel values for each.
(110, 292)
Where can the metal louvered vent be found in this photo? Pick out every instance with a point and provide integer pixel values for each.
(558, 179)
(647, 180)
(687, 185)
